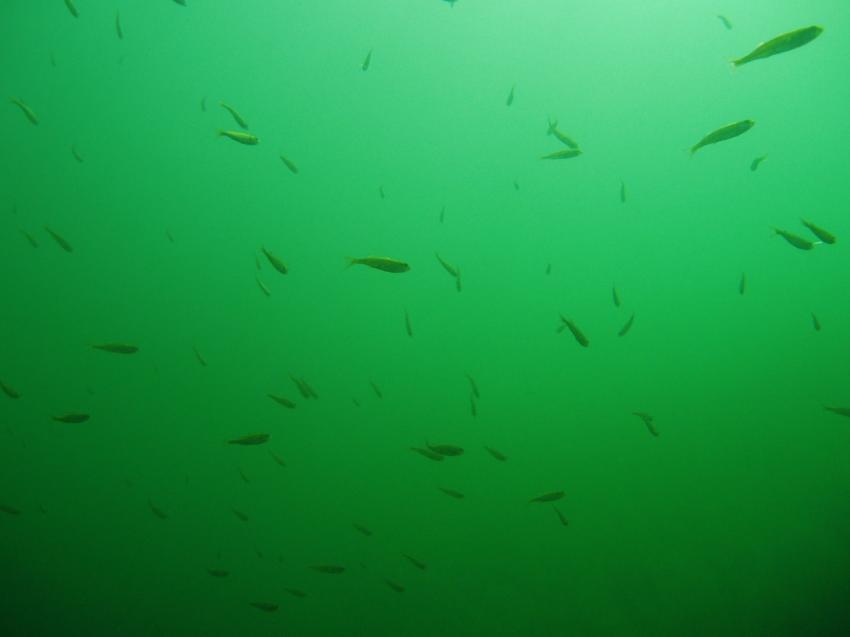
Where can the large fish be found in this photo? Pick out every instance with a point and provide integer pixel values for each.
(723, 133)
(780, 44)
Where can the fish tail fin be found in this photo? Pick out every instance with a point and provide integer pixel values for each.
(219, 133)
(349, 261)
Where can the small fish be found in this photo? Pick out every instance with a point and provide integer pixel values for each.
(280, 400)
(257, 263)
(162, 515)
(329, 569)
(567, 153)
(510, 99)
(118, 29)
(824, 235)
(67, 247)
(457, 495)
(431, 455)
(243, 138)
(302, 388)
(204, 104)
(755, 163)
(385, 264)
(724, 133)
(236, 116)
(289, 164)
(628, 325)
(446, 450)
(498, 455)
(442, 214)
(295, 592)
(52, 59)
(725, 21)
(29, 238)
(356, 402)
(5, 508)
(116, 348)
(398, 588)
(250, 439)
(362, 529)
(381, 192)
(552, 496)
(815, 322)
(243, 476)
(217, 572)
(199, 357)
(239, 514)
(310, 391)
(266, 607)
(742, 285)
(417, 563)
(407, 324)
(516, 185)
(11, 393)
(76, 154)
(72, 8)
(560, 136)
(472, 406)
(169, 235)
(182, 3)
(376, 389)
(73, 418)
(622, 192)
(277, 458)
(548, 269)
(448, 267)
(780, 44)
(615, 296)
(367, 61)
(473, 386)
(841, 411)
(561, 516)
(794, 240)
(263, 287)
(647, 420)
(581, 339)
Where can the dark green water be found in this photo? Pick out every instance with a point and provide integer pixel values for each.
(732, 521)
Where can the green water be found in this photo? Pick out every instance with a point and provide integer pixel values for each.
(732, 521)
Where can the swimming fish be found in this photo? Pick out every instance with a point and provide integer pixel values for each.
(431, 455)
(820, 233)
(622, 192)
(250, 439)
(289, 164)
(381, 192)
(724, 133)
(236, 116)
(548, 269)
(552, 496)
(198, 356)
(386, 264)
(755, 163)
(567, 153)
(376, 389)
(243, 476)
(169, 235)
(116, 348)
(263, 287)
(742, 285)
(473, 386)
(11, 393)
(510, 99)
(841, 411)
(794, 240)
(472, 406)
(242, 516)
(67, 247)
(367, 61)
(162, 515)
(362, 529)
(780, 44)
(615, 296)
(29, 238)
(457, 281)
(628, 325)
(72, 418)
(76, 154)
(243, 138)
(217, 572)
(516, 185)
(446, 450)
(581, 339)
(118, 29)
(398, 588)
(442, 214)
(329, 569)
(561, 516)
(267, 607)
(407, 324)
(498, 455)
(5, 508)
(647, 420)
(277, 458)
(72, 8)
(561, 136)
(457, 495)
(448, 267)
(725, 21)
(417, 563)
(182, 3)
(295, 592)
(204, 104)
(815, 322)
(280, 400)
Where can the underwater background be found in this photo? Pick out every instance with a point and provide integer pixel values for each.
(141, 520)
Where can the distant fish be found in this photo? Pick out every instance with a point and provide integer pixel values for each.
(266, 607)
(381, 192)
(243, 138)
(385, 264)
(302, 388)
(9, 510)
(72, 8)
(756, 162)
(239, 514)
(457, 281)
(780, 44)
(457, 495)
(236, 116)
(561, 516)
(29, 238)
(199, 357)
(376, 389)
(289, 164)
(498, 455)
(367, 61)
(11, 393)
(742, 284)
(162, 515)
(442, 214)
(76, 154)
(628, 325)
(815, 322)
(622, 192)
(567, 153)
(398, 588)
(552, 496)
(548, 269)
(407, 324)
(310, 391)
(472, 406)
(725, 21)
(280, 400)
(67, 247)
(72, 418)
(841, 411)
(648, 421)
(510, 99)
(473, 386)
(581, 339)
(329, 569)
(217, 572)
(562, 137)
(204, 104)
(295, 592)
(182, 3)
(277, 458)
(820, 233)
(796, 241)
(724, 133)
(448, 267)
(263, 287)
(615, 296)
(417, 563)
(169, 235)
(362, 529)
(243, 476)
(251, 439)
(116, 348)
(431, 455)
(446, 450)
(516, 185)
(118, 30)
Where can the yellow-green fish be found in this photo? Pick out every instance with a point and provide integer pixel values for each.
(622, 192)
(417, 563)
(407, 324)
(446, 450)
(116, 348)
(367, 61)
(72, 418)
(841, 411)
(376, 389)
(29, 238)
(267, 607)
(162, 515)
(448, 267)
(780, 44)
(76, 154)
(67, 247)
(280, 400)
(295, 592)
(263, 287)
(820, 233)
(72, 8)
(27, 111)
(289, 164)
(217, 572)
(5, 508)
(431, 455)
(242, 516)
(567, 153)
(510, 99)
(552, 496)
(756, 162)
(251, 439)
(236, 116)
(182, 3)
(118, 28)
(243, 138)
(796, 241)
(561, 136)
(277, 458)
(725, 21)
(581, 339)
(199, 357)
(362, 529)
(473, 386)
(615, 296)
(648, 421)
(627, 326)
(398, 588)
(386, 264)
(742, 285)
(11, 393)
(457, 495)
(277, 264)
(724, 133)
(561, 517)
(498, 455)
(815, 322)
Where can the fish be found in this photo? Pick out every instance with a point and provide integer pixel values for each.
(510, 99)
(442, 214)
(627, 326)
(266, 607)
(295, 592)
(398, 588)
(516, 185)
(841, 411)
(622, 192)
(567, 153)
(182, 3)
(561, 136)
(76, 154)
(498, 455)
(277, 458)
(204, 104)
(257, 263)
(280, 400)
(11, 393)
(243, 476)
(417, 563)
(581, 339)
(376, 389)
(457, 495)
(312, 393)
(217, 572)
(239, 514)
(236, 116)
(67, 247)
(162, 515)
(780, 44)
(362, 529)
(815, 322)
(431, 455)
(724, 133)
(473, 386)
(472, 406)
(118, 29)
(9, 510)
(250, 439)
(742, 285)
(824, 235)
(552, 496)
(356, 402)
(647, 420)
(72, 8)
(289, 164)
(300, 385)
(615, 296)
(457, 281)
(794, 240)
(725, 21)
(263, 287)
(116, 348)
(448, 267)
(329, 569)
(169, 235)
(548, 269)
(29, 238)
(367, 61)
(446, 450)
(381, 192)
(243, 138)
(199, 357)
(72, 418)
(385, 264)
(561, 516)
(407, 324)
(756, 162)
(52, 59)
